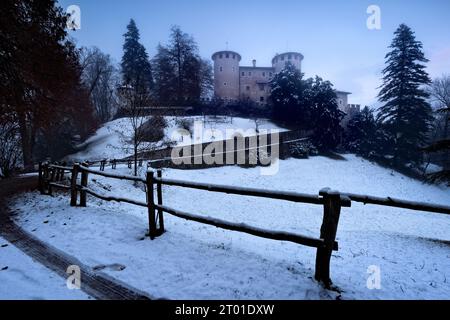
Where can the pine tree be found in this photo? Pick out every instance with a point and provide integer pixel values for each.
(287, 88)
(164, 69)
(360, 135)
(406, 115)
(326, 117)
(181, 74)
(136, 67)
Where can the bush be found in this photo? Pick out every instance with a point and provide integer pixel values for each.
(185, 124)
(153, 129)
(302, 150)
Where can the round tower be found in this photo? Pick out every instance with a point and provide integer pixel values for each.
(226, 74)
(280, 60)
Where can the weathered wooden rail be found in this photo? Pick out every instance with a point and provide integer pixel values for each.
(52, 176)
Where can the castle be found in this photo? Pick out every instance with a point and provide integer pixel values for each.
(233, 82)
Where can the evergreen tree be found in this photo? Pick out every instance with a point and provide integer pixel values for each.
(309, 104)
(40, 79)
(406, 114)
(326, 117)
(360, 136)
(181, 74)
(136, 67)
(288, 95)
(164, 69)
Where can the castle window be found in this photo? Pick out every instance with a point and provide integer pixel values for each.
(224, 83)
(290, 57)
(234, 56)
(261, 87)
(220, 56)
(221, 69)
(248, 88)
(243, 74)
(227, 56)
(250, 73)
(270, 74)
(282, 58)
(264, 74)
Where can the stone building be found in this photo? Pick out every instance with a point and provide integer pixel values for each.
(233, 82)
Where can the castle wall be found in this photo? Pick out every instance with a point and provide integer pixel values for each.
(254, 83)
(233, 82)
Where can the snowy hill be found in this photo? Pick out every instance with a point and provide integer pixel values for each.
(113, 139)
(195, 261)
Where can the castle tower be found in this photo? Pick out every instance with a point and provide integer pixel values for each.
(280, 60)
(226, 74)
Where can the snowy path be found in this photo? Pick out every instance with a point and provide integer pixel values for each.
(36, 270)
(22, 278)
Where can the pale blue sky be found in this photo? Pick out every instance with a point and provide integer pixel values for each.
(332, 35)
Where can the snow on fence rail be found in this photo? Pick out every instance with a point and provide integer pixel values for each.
(52, 176)
(392, 202)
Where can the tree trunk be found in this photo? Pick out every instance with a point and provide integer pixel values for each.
(27, 145)
(135, 159)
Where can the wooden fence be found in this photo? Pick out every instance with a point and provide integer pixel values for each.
(163, 157)
(52, 176)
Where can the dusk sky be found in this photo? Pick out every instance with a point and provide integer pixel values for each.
(332, 35)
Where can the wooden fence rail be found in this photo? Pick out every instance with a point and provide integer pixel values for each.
(392, 202)
(332, 202)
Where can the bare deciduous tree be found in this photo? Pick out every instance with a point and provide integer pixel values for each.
(440, 92)
(133, 104)
(101, 77)
(439, 150)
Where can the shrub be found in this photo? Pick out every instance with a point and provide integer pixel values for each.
(153, 129)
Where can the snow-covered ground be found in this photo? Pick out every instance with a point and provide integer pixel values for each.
(195, 261)
(21, 278)
(113, 140)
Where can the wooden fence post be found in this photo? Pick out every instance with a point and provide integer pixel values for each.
(113, 164)
(41, 182)
(151, 205)
(160, 203)
(45, 177)
(84, 183)
(282, 148)
(52, 179)
(58, 171)
(64, 164)
(331, 214)
(73, 185)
